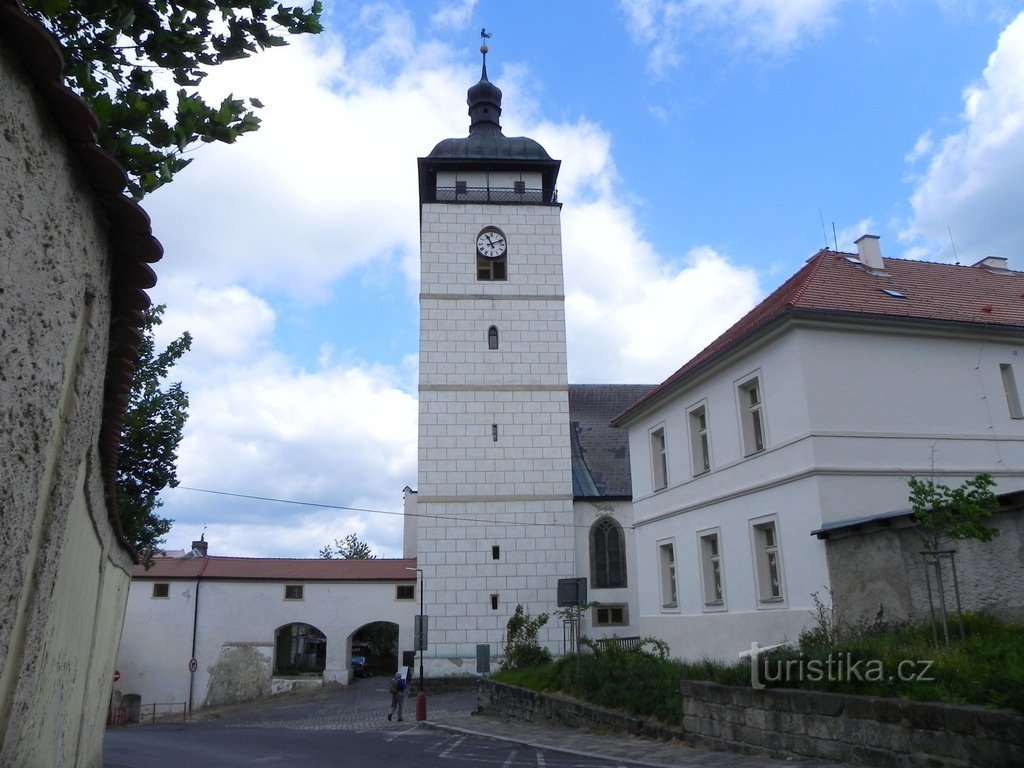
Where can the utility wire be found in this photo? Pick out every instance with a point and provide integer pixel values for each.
(459, 518)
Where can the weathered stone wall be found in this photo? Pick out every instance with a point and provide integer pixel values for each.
(242, 672)
(64, 577)
(880, 573)
(860, 730)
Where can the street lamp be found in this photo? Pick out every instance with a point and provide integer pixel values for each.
(421, 639)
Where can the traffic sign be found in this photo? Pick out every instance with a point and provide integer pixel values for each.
(193, 665)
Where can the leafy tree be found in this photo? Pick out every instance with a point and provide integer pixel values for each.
(522, 648)
(954, 513)
(116, 50)
(152, 431)
(349, 548)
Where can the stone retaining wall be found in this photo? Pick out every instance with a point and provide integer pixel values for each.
(860, 730)
(863, 730)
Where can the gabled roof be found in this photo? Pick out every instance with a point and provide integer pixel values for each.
(838, 286)
(600, 452)
(277, 569)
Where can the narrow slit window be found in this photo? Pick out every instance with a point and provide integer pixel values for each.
(495, 553)
(494, 433)
(494, 602)
(492, 337)
(1012, 393)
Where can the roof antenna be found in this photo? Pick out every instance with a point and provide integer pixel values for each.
(823, 235)
(834, 238)
(953, 246)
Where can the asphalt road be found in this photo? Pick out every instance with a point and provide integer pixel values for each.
(338, 726)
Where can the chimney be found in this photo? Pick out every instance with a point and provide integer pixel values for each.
(199, 547)
(869, 252)
(992, 262)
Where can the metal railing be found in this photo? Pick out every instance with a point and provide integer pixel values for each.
(147, 713)
(460, 194)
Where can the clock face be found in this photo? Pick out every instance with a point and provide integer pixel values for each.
(491, 243)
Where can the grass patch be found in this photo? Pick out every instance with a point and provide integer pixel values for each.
(987, 669)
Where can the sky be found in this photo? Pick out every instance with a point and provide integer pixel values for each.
(708, 148)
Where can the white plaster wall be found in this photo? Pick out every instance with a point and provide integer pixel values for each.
(64, 578)
(849, 416)
(241, 614)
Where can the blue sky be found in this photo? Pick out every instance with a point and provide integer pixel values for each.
(707, 148)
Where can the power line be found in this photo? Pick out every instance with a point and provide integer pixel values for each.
(344, 508)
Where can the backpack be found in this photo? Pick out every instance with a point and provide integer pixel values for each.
(394, 687)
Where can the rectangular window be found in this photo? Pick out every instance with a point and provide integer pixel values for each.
(405, 592)
(610, 615)
(494, 602)
(161, 589)
(711, 569)
(292, 591)
(659, 459)
(699, 447)
(768, 561)
(667, 560)
(752, 416)
(1012, 393)
(460, 188)
(519, 187)
(495, 553)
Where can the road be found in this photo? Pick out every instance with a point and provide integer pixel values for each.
(339, 726)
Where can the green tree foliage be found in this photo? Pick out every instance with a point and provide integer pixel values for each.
(152, 431)
(522, 648)
(954, 513)
(122, 56)
(349, 548)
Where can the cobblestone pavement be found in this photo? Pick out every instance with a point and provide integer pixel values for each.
(364, 706)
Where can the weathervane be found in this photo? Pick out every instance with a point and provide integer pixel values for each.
(484, 37)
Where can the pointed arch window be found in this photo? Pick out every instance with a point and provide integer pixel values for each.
(492, 337)
(607, 554)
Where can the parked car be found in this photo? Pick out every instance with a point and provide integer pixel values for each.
(361, 666)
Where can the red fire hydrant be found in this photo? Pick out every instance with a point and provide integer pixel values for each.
(421, 706)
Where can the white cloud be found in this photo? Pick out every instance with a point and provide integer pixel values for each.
(764, 26)
(454, 14)
(329, 186)
(972, 185)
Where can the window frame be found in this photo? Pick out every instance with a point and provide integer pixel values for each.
(163, 587)
(600, 580)
(492, 337)
(623, 608)
(1009, 379)
(700, 438)
(659, 458)
(399, 588)
(709, 544)
(753, 430)
(767, 558)
(668, 575)
(291, 588)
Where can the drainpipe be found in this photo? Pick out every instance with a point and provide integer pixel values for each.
(195, 626)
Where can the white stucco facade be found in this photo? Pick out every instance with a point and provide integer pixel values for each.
(849, 410)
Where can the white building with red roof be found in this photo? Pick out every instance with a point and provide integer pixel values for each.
(815, 409)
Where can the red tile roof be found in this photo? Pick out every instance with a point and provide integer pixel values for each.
(838, 286)
(277, 569)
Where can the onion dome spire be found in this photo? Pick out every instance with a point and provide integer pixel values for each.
(484, 98)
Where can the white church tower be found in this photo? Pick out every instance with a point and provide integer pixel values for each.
(494, 501)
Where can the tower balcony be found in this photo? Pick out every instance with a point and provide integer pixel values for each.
(496, 195)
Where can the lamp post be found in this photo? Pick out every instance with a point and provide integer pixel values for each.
(421, 639)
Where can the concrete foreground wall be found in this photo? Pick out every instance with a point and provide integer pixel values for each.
(64, 575)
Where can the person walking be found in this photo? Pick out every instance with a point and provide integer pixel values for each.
(397, 688)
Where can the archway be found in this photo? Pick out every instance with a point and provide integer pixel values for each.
(299, 649)
(377, 643)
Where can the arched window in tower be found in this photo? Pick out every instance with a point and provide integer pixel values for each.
(492, 337)
(607, 554)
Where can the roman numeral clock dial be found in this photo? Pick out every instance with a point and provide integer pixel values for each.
(491, 244)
